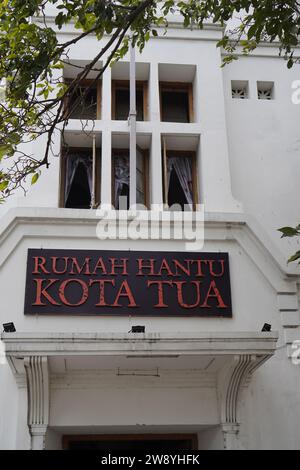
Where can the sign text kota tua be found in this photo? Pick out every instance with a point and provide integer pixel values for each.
(118, 282)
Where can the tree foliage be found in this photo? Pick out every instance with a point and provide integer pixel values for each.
(291, 232)
(31, 53)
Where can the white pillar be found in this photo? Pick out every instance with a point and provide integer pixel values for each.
(156, 182)
(106, 169)
(155, 163)
(106, 95)
(153, 93)
(106, 139)
(132, 124)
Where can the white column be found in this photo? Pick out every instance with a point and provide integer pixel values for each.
(106, 95)
(106, 168)
(156, 193)
(106, 139)
(155, 164)
(132, 124)
(153, 93)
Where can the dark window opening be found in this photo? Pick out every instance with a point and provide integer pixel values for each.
(175, 106)
(148, 442)
(179, 178)
(79, 196)
(145, 445)
(83, 106)
(176, 194)
(122, 101)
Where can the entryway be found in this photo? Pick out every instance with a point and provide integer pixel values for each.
(143, 442)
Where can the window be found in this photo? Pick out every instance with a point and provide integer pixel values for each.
(239, 89)
(121, 97)
(176, 102)
(121, 176)
(77, 181)
(180, 181)
(85, 102)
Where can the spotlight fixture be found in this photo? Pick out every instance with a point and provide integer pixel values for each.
(9, 327)
(266, 327)
(137, 329)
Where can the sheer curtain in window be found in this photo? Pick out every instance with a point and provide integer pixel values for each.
(72, 163)
(183, 169)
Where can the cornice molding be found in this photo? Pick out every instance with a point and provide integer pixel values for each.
(148, 344)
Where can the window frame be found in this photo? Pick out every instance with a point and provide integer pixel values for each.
(125, 152)
(125, 85)
(178, 87)
(180, 153)
(62, 178)
(85, 83)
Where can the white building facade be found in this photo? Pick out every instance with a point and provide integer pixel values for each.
(199, 382)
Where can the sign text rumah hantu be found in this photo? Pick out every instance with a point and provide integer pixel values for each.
(126, 282)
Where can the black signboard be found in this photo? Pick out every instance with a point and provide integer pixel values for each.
(93, 282)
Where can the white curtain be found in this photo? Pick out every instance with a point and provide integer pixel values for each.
(121, 165)
(72, 163)
(183, 169)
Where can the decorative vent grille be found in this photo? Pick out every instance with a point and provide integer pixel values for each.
(265, 90)
(264, 94)
(239, 90)
(239, 93)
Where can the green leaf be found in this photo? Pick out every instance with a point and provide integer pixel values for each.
(252, 31)
(4, 149)
(3, 185)
(288, 232)
(294, 257)
(34, 178)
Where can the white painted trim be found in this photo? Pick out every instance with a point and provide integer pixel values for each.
(97, 344)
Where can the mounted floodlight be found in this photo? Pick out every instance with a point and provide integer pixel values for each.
(266, 327)
(9, 327)
(137, 329)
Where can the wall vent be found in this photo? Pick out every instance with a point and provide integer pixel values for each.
(265, 90)
(239, 89)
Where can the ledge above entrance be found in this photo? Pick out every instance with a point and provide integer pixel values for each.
(185, 351)
(227, 359)
(65, 344)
